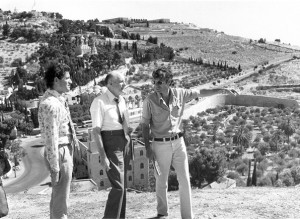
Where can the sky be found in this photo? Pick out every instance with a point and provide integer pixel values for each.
(253, 19)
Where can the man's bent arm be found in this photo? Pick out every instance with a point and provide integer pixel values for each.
(99, 143)
(146, 136)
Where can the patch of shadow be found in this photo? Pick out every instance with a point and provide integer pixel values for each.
(38, 146)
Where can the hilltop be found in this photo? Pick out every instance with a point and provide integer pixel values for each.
(237, 203)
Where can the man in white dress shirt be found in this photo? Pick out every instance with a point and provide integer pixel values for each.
(110, 129)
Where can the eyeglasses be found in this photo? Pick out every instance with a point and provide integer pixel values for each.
(157, 82)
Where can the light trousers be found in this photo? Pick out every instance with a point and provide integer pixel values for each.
(61, 191)
(173, 153)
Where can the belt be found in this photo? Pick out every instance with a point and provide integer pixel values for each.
(179, 135)
(113, 132)
(64, 144)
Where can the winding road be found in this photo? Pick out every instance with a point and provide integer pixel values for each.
(35, 170)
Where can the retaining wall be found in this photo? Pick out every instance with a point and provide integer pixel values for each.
(240, 100)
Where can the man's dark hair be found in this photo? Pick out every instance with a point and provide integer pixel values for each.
(55, 70)
(163, 73)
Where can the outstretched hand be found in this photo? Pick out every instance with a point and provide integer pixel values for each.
(230, 92)
(234, 92)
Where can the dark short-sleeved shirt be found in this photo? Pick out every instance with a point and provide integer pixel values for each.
(165, 121)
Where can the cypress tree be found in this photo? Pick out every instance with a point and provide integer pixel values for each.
(249, 175)
(254, 178)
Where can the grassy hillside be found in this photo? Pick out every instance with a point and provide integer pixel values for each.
(212, 45)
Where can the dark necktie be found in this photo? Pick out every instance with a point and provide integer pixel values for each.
(118, 110)
(124, 122)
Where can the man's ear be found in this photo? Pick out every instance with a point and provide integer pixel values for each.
(56, 79)
(170, 82)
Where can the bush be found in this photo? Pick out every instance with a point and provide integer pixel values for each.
(233, 175)
(272, 177)
(259, 173)
(206, 165)
(264, 181)
(242, 168)
(173, 184)
(279, 183)
(240, 182)
(286, 177)
(295, 171)
(294, 153)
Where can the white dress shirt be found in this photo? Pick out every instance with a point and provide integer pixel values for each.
(104, 112)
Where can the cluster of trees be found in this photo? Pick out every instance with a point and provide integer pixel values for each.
(276, 127)
(220, 65)
(151, 54)
(81, 112)
(31, 35)
(61, 48)
(152, 40)
(261, 40)
(67, 26)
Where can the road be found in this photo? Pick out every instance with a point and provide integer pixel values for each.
(35, 171)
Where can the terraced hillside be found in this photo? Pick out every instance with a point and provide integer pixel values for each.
(213, 45)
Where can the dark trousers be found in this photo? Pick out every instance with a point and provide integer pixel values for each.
(114, 146)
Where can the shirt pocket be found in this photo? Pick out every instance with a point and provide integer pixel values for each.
(176, 111)
(160, 115)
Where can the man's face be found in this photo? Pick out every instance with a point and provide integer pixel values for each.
(64, 84)
(161, 85)
(118, 84)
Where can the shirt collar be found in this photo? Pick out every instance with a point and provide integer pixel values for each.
(172, 96)
(54, 93)
(110, 95)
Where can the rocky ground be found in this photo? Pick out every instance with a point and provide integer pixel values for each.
(234, 203)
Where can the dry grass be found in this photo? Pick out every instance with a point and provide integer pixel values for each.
(207, 203)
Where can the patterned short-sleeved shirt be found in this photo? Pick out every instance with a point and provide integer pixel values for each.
(54, 124)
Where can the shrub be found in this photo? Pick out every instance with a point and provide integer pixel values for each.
(294, 153)
(173, 184)
(286, 177)
(279, 183)
(240, 182)
(206, 165)
(233, 175)
(295, 171)
(272, 177)
(242, 168)
(264, 181)
(259, 173)
(281, 155)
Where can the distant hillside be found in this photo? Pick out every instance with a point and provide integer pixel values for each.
(212, 45)
(237, 203)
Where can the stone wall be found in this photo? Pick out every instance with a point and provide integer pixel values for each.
(240, 100)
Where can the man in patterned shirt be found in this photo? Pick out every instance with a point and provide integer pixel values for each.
(59, 137)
